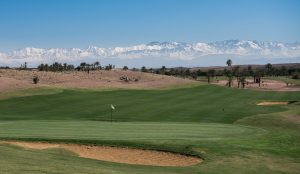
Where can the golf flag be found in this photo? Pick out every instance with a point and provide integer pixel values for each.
(112, 107)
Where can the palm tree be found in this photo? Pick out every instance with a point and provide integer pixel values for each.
(162, 70)
(211, 73)
(82, 65)
(125, 68)
(144, 69)
(46, 67)
(236, 71)
(25, 66)
(229, 62)
(250, 71)
(229, 74)
(96, 64)
(65, 66)
(269, 68)
(41, 67)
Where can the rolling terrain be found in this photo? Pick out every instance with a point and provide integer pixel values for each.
(222, 126)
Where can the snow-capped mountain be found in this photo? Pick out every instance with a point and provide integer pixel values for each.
(166, 50)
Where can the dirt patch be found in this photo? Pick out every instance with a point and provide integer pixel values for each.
(270, 85)
(116, 154)
(20, 79)
(272, 103)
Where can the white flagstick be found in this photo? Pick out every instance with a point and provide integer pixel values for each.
(111, 110)
(112, 107)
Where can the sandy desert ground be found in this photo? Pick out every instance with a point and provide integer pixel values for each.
(21, 79)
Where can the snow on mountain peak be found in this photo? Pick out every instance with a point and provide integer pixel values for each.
(173, 50)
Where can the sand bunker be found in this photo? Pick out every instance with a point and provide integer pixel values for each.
(116, 154)
(272, 103)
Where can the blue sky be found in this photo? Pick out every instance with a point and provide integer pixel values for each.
(109, 23)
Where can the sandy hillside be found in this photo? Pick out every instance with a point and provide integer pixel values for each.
(20, 79)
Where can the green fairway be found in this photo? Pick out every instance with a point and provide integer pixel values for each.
(223, 126)
(196, 104)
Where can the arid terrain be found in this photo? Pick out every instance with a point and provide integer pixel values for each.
(270, 85)
(20, 79)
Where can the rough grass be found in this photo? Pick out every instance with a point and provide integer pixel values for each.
(29, 92)
(242, 138)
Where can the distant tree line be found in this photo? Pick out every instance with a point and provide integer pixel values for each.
(238, 72)
(83, 66)
(55, 67)
(4, 67)
(232, 72)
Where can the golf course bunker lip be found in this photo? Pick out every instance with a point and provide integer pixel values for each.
(271, 103)
(116, 154)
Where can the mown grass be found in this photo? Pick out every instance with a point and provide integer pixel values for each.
(224, 126)
(198, 104)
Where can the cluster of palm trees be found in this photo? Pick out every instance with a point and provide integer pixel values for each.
(257, 74)
(234, 72)
(83, 66)
(55, 67)
(240, 73)
(86, 66)
(23, 66)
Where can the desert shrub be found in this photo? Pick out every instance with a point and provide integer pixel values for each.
(35, 79)
(125, 68)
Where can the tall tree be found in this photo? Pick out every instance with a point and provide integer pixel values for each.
(82, 66)
(144, 69)
(125, 68)
(163, 70)
(269, 69)
(229, 62)
(65, 66)
(229, 73)
(96, 64)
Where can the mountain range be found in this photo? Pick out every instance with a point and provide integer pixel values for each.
(244, 51)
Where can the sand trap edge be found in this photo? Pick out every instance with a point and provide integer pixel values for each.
(116, 154)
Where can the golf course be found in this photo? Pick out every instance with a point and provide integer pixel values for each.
(224, 127)
(150, 87)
